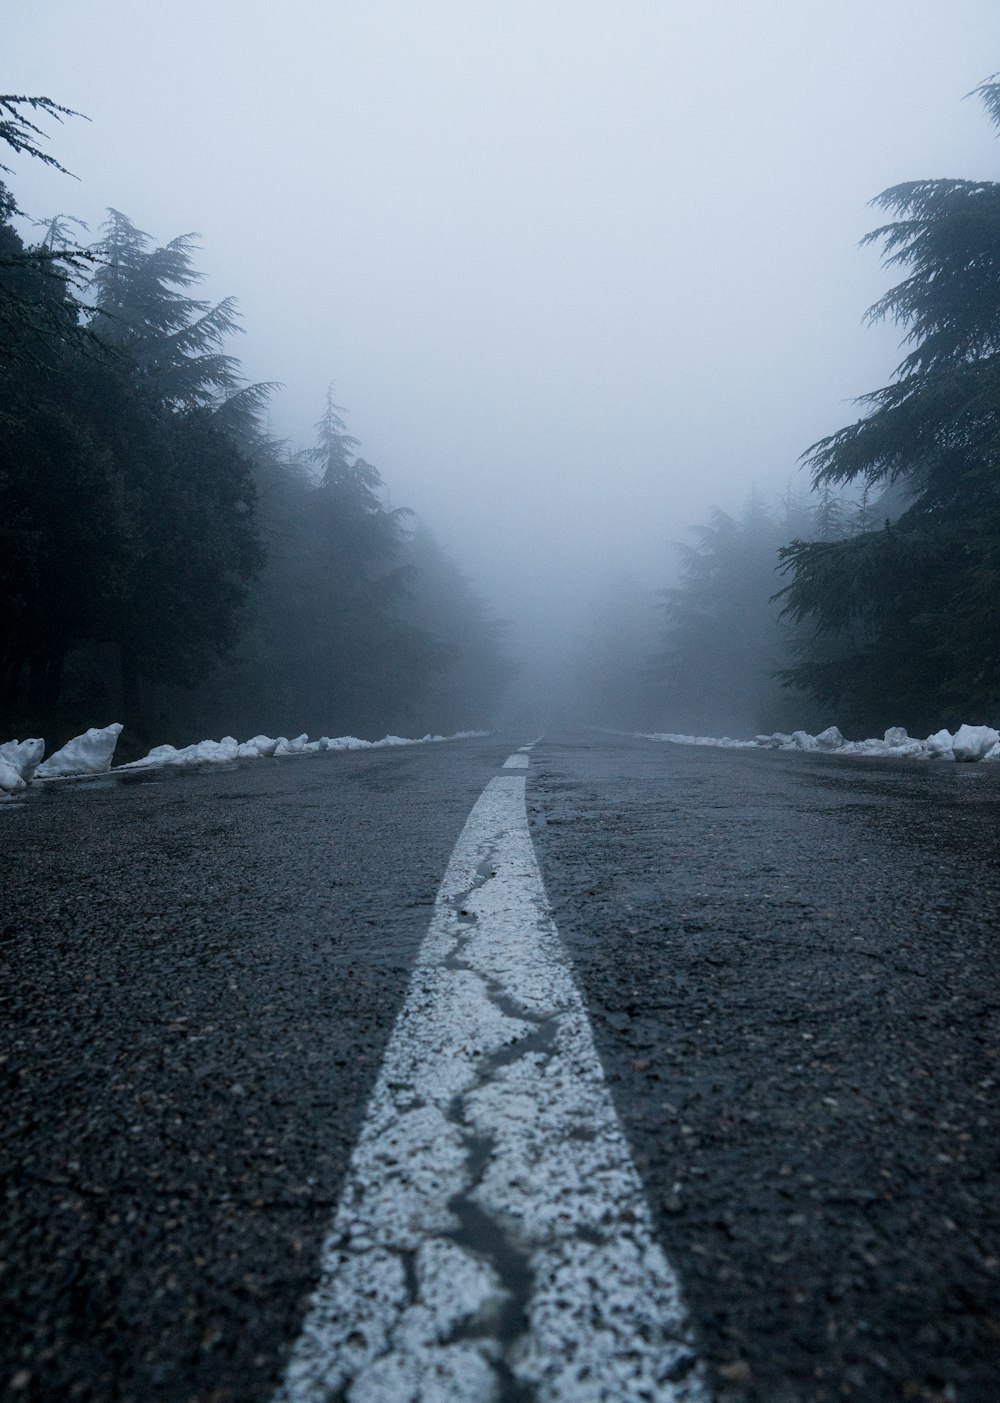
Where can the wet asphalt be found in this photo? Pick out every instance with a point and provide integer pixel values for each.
(792, 971)
(792, 964)
(199, 976)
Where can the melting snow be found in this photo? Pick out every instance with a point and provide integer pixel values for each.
(18, 762)
(91, 753)
(967, 743)
(220, 752)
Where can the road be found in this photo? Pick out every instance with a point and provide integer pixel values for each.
(788, 965)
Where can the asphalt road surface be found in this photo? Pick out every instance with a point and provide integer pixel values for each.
(789, 964)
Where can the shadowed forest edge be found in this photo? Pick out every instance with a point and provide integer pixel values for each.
(164, 559)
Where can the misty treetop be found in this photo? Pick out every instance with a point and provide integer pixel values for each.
(142, 307)
(905, 616)
(28, 310)
(161, 556)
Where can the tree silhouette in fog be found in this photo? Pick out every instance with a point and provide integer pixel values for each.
(161, 556)
(904, 615)
(724, 638)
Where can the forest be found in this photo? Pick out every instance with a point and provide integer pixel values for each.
(871, 600)
(163, 559)
(166, 561)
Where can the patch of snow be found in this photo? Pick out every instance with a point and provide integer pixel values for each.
(19, 759)
(227, 750)
(974, 742)
(10, 778)
(257, 746)
(89, 754)
(939, 745)
(897, 742)
(725, 741)
(205, 752)
(292, 747)
(23, 755)
(969, 743)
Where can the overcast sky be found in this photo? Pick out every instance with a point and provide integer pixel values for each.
(579, 270)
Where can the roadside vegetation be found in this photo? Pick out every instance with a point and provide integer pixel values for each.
(904, 613)
(870, 601)
(166, 561)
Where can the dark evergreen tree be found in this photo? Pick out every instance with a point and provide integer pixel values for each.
(60, 544)
(906, 627)
(468, 688)
(21, 133)
(142, 306)
(329, 647)
(126, 506)
(31, 311)
(189, 485)
(363, 659)
(136, 489)
(724, 637)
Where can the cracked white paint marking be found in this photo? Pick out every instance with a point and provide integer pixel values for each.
(520, 760)
(492, 1240)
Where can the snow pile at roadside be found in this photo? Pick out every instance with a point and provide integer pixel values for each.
(91, 753)
(221, 752)
(18, 761)
(967, 743)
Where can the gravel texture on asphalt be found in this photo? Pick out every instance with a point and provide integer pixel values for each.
(199, 976)
(789, 961)
(791, 966)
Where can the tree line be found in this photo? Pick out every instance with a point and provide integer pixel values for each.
(874, 601)
(163, 558)
(904, 614)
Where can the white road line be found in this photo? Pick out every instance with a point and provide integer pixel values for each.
(492, 1239)
(517, 761)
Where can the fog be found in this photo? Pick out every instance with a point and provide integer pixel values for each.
(579, 271)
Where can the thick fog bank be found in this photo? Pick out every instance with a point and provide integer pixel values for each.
(582, 275)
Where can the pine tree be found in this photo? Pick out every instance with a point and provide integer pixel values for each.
(907, 628)
(142, 306)
(59, 545)
(36, 305)
(329, 646)
(724, 639)
(473, 671)
(127, 505)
